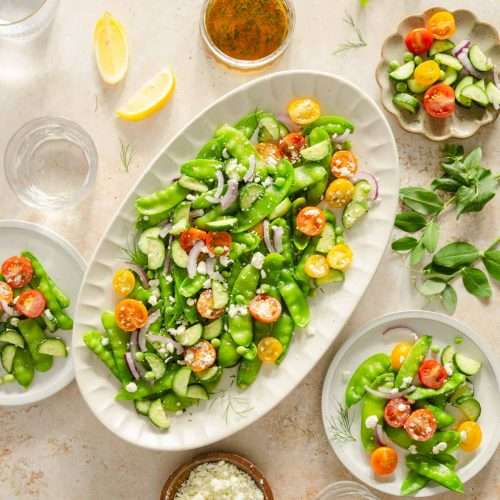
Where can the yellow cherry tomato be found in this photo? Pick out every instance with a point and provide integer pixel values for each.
(427, 73)
(123, 282)
(471, 437)
(339, 193)
(340, 257)
(304, 110)
(399, 354)
(442, 25)
(269, 349)
(316, 266)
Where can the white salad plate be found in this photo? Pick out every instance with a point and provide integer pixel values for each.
(233, 409)
(67, 267)
(374, 338)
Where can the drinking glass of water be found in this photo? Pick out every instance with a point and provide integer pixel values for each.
(346, 490)
(24, 18)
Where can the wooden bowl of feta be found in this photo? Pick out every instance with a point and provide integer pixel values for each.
(214, 475)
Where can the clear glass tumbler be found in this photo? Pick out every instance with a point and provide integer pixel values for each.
(25, 18)
(346, 490)
(51, 163)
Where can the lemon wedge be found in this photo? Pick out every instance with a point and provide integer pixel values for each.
(111, 49)
(151, 97)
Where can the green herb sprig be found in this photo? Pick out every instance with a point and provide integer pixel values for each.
(340, 425)
(126, 155)
(352, 44)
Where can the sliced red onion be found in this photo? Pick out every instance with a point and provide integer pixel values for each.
(339, 139)
(134, 340)
(278, 238)
(210, 266)
(220, 184)
(165, 229)
(389, 395)
(267, 237)
(463, 57)
(380, 436)
(129, 359)
(250, 173)
(193, 255)
(168, 258)
(371, 179)
(9, 311)
(140, 272)
(287, 121)
(141, 338)
(230, 195)
(458, 49)
(496, 77)
(167, 341)
(194, 214)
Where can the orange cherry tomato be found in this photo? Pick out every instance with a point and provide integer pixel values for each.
(343, 164)
(269, 349)
(17, 271)
(269, 152)
(219, 242)
(427, 73)
(432, 374)
(311, 221)
(291, 145)
(30, 303)
(265, 308)
(188, 238)
(471, 435)
(399, 354)
(304, 110)
(339, 193)
(200, 356)
(384, 461)
(442, 25)
(316, 266)
(123, 282)
(6, 293)
(339, 257)
(418, 41)
(421, 425)
(439, 101)
(258, 229)
(205, 305)
(130, 314)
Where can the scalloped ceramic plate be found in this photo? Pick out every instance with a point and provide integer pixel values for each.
(234, 409)
(465, 122)
(371, 340)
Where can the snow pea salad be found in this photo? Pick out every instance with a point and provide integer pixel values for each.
(32, 310)
(443, 72)
(227, 255)
(420, 398)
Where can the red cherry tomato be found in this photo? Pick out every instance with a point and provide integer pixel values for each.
(439, 101)
(419, 40)
(421, 425)
(17, 271)
(219, 239)
(311, 221)
(188, 238)
(30, 303)
(397, 411)
(265, 308)
(292, 144)
(432, 374)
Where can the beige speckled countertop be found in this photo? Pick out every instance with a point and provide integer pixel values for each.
(57, 449)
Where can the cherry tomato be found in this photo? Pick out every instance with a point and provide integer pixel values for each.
(269, 152)
(399, 354)
(292, 144)
(339, 193)
(200, 356)
(258, 229)
(311, 221)
(6, 293)
(397, 411)
(130, 314)
(304, 110)
(30, 303)
(188, 238)
(269, 349)
(384, 461)
(123, 282)
(205, 305)
(339, 257)
(419, 40)
(427, 73)
(17, 271)
(471, 435)
(265, 308)
(343, 164)
(432, 374)
(439, 101)
(316, 266)
(421, 425)
(442, 25)
(219, 242)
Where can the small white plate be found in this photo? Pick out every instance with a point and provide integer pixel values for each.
(370, 341)
(66, 266)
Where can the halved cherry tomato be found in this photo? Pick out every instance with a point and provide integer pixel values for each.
(130, 314)
(123, 282)
(432, 374)
(316, 266)
(304, 110)
(399, 353)
(269, 152)
(292, 144)
(421, 425)
(397, 411)
(311, 221)
(339, 257)
(343, 164)
(205, 305)
(427, 73)
(188, 238)
(200, 356)
(419, 40)
(219, 242)
(17, 271)
(269, 349)
(339, 193)
(258, 229)
(442, 25)
(472, 436)
(384, 461)
(439, 101)
(6, 293)
(265, 308)
(31, 303)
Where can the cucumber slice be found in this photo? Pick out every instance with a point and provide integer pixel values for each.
(316, 152)
(283, 129)
(333, 276)
(466, 365)
(156, 364)
(249, 194)
(404, 72)
(208, 375)
(406, 102)
(213, 329)
(327, 239)
(447, 355)
(450, 76)
(481, 85)
(193, 184)
(479, 59)
(465, 390)
(190, 335)
(157, 415)
(464, 82)
(142, 406)
(450, 61)
(8, 354)
(269, 128)
(197, 391)
(493, 93)
(416, 87)
(181, 218)
(12, 337)
(174, 403)
(224, 222)
(181, 381)
(53, 347)
(470, 407)
(219, 295)
(150, 244)
(439, 46)
(362, 190)
(353, 212)
(281, 209)
(476, 94)
(179, 255)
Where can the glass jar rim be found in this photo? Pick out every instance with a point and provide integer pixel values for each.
(25, 18)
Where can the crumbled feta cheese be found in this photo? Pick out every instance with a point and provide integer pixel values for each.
(131, 387)
(406, 381)
(154, 283)
(105, 341)
(371, 422)
(162, 350)
(449, 368)
(415, 336)
(257, 260)
(392, 391)
(346, 375)
(401, 407)
(206, 284)
(169, 279)
(268, 181)
(145, 217)
(170, 347)
(153, 300)
(202, 267)
(181, 329)
(439, 448)
(235, 310)
(171, 300)
(190, 301)
(190, 197)
(412, 449)
(225, 260)
(263, 274)
(225, 154)
(156, 292)
(14, 321)
(48, 314)
(257, 179)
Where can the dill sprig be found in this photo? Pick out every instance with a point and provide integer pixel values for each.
(134, 255)
(126, 155)
(352, 44)
(234, 405)
(340, 425)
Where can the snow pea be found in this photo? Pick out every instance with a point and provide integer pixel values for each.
(179, 274)
(333, 124)
(201, 169)
(166, 290)
(247, 124)
(161, 201)
(398, 436)
(295, 300)
(450, 385)
(191, 286)
(305, 281)
(430, 468)
(139, 292)
(410, 365)
(211, 150)
(213, 214)
(273, 264)
(93, 340)
(146, 221)
(34, 336)
(172, 402)
(451, 438)
(146, 389)
(307, 175)
(365, 374)
(283, 331)
(443, 418)
(317, 135)
(235, 271)
(118, 341)
(286, 246)
(226, 354)
(63, 320)
(22, 368)
(251, 240)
